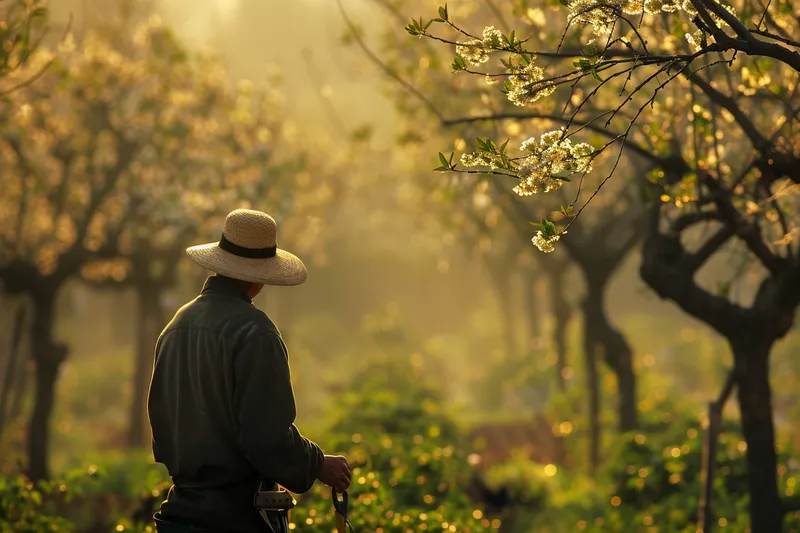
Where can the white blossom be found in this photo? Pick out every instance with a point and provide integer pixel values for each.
(545, 244)
(476, 51)
(551, 158)
(472, 52)
(528, 85)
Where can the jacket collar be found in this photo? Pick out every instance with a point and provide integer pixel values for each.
(226, 286)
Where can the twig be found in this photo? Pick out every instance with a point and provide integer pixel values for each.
(333, 116)
(375, 59)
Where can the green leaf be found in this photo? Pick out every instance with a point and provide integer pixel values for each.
(443, 160)
(428, 24)
(443, 12)
(548, 228)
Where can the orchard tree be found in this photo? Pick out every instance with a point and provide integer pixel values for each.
(20, 32)
(597, 249)
(706, 92)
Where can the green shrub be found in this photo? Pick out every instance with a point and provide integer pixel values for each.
(410, 463)
(650, 482)
(24, 506)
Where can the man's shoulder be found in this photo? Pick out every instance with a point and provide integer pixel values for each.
(262, 324)
(237, 313)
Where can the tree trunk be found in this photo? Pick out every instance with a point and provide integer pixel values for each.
(501, 282)
(10, 373)
(532, 303)
(561, 313)
(751, 357)
(616, 353)
(150, 322)
(590, 348)
(48, 355)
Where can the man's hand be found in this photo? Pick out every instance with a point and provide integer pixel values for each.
(336, 473)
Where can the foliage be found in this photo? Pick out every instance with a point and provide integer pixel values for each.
(411, 475)
(409, 458)
(651, 480)
(20, 26)
(22, 503)
(125, 141)
(393, 424)
(604, 52)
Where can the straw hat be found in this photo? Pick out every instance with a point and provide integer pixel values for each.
(248, 251)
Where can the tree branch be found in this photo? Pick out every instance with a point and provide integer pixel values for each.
(638, 149)
(663, 268)
(746, 231)
(697, 259)
(688, 220)
(383, 66)
(760, 142)
(126, 151)
(729, 19)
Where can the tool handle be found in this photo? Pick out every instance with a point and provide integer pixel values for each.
(342, 523)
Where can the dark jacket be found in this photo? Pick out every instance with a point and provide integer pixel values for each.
(222, 411)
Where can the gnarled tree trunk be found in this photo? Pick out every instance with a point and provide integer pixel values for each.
(751, 357)
(590, 348)
(48, 356)
(10, 371)
(616, 352)
(150, 321)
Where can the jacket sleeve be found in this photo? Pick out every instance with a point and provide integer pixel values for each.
(265, 410)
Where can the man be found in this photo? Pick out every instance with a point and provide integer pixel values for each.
(221, 404)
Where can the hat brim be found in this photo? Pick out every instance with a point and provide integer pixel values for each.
(284, 269)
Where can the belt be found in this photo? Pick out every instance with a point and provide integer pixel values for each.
(273, 504)
(243, 485)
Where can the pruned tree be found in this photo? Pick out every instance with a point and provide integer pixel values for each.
(596, 249)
